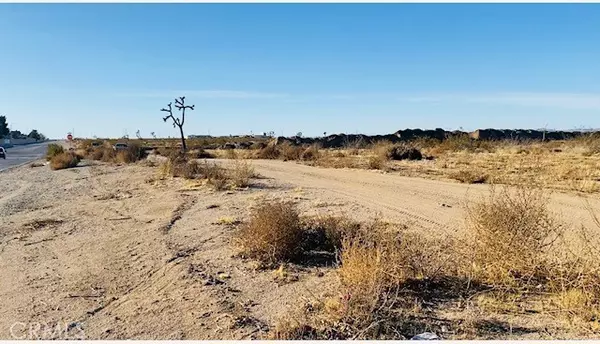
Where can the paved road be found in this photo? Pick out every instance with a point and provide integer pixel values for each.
(21, 154)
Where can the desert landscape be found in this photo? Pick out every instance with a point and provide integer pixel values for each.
(299, 171)
(458, 238)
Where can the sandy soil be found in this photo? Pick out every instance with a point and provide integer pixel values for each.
(110, 252)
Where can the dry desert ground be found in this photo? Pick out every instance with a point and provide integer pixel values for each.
(117, 251)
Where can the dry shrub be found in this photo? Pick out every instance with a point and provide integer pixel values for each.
(215, 176)
(133, 153)
(270, 151)
(462, 142)
(165, 169)
(272, 234)
(379, 265)
(574, 282)
(311, 153)
(54, 150)
(241, 173)
(122, 157)
(471, 176)
(108, 154)
(96, 153)
(327, 232)
(167, 151)
(200, 154)
(290, 151)
(231, 154)
(400, 151)
(512, 231)
(81, 153)
(376, 163)
(185, 169)
(258, 145)
(64, 160)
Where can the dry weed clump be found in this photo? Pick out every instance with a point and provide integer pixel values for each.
(382, 269)
(290, 152)
(458, 143)
(272, 234)
(106, 153)
(399, 151)
(512, 231)
(242, 173)
(376, 163)
(326, 233)
(270, 151)
(312, 153)
(64, 160)
(470, 176)
(200, 154)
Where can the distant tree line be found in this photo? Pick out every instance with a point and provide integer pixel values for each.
(6, 133)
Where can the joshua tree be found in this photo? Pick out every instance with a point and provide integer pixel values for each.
(177, 122)
(138, 135)
(153, 135)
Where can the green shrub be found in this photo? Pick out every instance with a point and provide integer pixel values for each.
(54, 150)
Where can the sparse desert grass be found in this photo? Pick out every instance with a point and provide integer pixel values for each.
(220, 178)
(64, 160)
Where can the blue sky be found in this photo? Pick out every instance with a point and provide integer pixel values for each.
(107, 69)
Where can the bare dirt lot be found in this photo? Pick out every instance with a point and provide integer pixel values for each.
(113, 252)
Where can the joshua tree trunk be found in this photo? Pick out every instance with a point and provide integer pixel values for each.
(183, 145)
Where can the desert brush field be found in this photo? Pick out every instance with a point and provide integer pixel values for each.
(467, 239)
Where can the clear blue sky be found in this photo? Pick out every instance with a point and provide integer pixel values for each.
(107, 69)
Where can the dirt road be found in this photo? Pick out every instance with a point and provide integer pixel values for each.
(425, 203)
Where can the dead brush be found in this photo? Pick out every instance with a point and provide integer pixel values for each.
(312, 153)
(272, 234)
(575, 276)
(379, 264)
(462, 142)
(470, 176)
(400, 151)
(215, 175)
(512, 231)
(241, 173)
(64, 160)
(200, 154)
(376, 163)
(327, 232)
(270, 151)
(291, 152)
